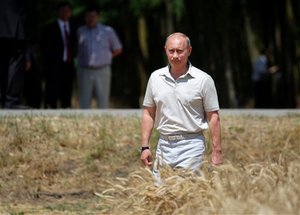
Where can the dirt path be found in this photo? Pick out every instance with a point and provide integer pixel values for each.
(138, 112)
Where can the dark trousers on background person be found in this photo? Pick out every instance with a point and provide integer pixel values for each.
(263, 94)
(33, 88)
(59, 84)
(12, 66)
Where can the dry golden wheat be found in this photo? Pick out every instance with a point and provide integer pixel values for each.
(90, 165)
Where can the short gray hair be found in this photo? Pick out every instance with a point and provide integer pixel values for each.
(188, 41)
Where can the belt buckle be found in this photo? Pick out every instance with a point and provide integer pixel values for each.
(176, 137)
(171, 138)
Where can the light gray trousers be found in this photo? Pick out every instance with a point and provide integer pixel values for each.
(95, 81)
(187, 154)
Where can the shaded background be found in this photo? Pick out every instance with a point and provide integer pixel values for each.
(226, 36)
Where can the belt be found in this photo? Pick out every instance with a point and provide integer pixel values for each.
(179, 136)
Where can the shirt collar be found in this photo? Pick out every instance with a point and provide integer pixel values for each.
(263, 58)
(62, 23)
(166, 72)
(190, 71)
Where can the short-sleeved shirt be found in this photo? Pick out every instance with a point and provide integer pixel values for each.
(260, 68)
(95, 46)
(181, 104)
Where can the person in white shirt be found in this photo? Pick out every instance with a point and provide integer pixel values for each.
(180, 101)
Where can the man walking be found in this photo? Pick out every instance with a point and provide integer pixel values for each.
(181, 101)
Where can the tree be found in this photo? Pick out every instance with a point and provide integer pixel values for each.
(226, 37)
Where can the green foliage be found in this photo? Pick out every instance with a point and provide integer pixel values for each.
(138, 6)
(178, 8)
(239, 27)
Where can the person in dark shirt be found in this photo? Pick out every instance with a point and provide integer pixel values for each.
(12, 52)
(58, 46)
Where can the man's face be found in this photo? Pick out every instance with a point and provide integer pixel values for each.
(64, 13)
(91, 19)
(177, 50)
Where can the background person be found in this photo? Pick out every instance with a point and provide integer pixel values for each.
(12, 52)
(32, 80)
(261, 77)
(179, 100)
(58, 46)
(98, 44)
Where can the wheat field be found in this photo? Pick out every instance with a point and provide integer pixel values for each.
(90, 165)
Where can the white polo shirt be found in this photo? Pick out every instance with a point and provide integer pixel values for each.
(181, 104)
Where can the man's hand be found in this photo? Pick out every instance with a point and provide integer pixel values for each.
(217, 157)
(146, 157)
(273, 69)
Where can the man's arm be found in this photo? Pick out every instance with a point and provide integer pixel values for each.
(148, 119)
(117, 52)
(215, 129)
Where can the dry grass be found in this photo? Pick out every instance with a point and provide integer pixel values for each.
(90, 165)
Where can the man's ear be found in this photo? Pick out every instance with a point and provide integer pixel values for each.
(166, 50)
(190, 50)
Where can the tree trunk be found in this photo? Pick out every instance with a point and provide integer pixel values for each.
(169, 26)
(143, 44)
